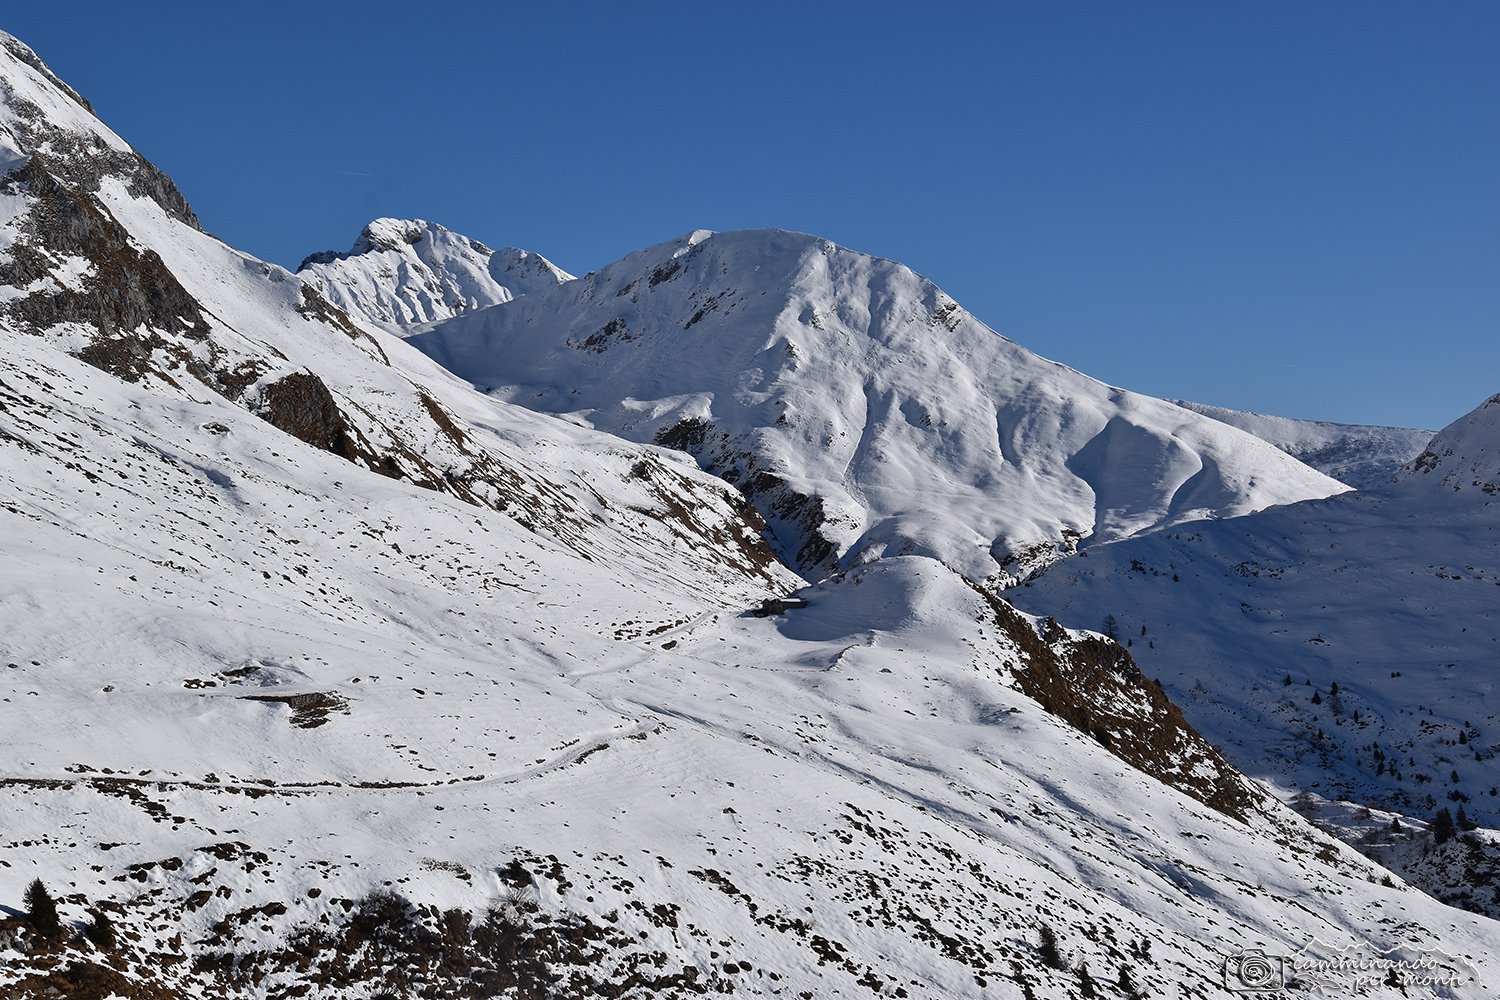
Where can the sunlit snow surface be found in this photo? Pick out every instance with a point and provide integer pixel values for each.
(856, 381)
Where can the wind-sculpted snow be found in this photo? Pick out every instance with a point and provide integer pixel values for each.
(1361, 456)
(402, 274)
(861, 409)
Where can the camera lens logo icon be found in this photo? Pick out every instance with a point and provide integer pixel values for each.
(1254, 971)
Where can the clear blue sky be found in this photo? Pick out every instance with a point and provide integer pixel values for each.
(1291, 207)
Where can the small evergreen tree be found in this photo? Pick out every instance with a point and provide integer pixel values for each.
(1111, 627)
(1287, 682)
(1126, 983)
(1442, 826)
(1048, 949)
(1086, 987)
(101, 931)
(1317, 699)
(41, 910)
(1463, 822)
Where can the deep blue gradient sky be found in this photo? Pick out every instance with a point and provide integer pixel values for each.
(1289, 207)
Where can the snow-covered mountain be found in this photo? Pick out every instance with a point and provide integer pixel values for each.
(862, 410)
(1343, 647)
(1365, 457)
(1465, 455)
(322, 674)
(404, 273)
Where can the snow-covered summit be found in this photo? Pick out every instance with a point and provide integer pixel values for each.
(402, 273)
(862, 409)
(1465, 455)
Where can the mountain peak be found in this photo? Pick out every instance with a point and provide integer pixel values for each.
(26, 54)
(1464, 455)
(404, 273)
(40, 115)
(393, 234)
(863, 410)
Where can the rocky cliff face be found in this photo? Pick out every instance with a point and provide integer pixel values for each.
(100, 256)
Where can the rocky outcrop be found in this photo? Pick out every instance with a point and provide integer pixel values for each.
(796, 519)
(83, 159)
(1095, 686)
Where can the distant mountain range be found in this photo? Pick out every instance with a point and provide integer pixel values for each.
(1361, 456)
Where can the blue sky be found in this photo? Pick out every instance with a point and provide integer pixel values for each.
(1287, 207)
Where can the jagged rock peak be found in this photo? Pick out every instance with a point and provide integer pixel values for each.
(26, 54)
(40, 114)
(405, 273)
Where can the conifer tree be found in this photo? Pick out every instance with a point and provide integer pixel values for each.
(41, 910)
(1086, 987)
(101, 931)
(1442, 826)
(1048, 949)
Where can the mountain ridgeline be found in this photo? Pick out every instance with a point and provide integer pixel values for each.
(862, 410)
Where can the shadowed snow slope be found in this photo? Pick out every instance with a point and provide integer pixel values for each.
(402, 273)
(1383, 609)
(862, 410)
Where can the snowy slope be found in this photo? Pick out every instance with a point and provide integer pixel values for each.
(862, 410)
(1365, 457)
(323, 675)
(853, 794)
(1391, 595)
(404, 273)
(1465, 455)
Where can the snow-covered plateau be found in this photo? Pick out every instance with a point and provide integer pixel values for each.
(330, 671)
